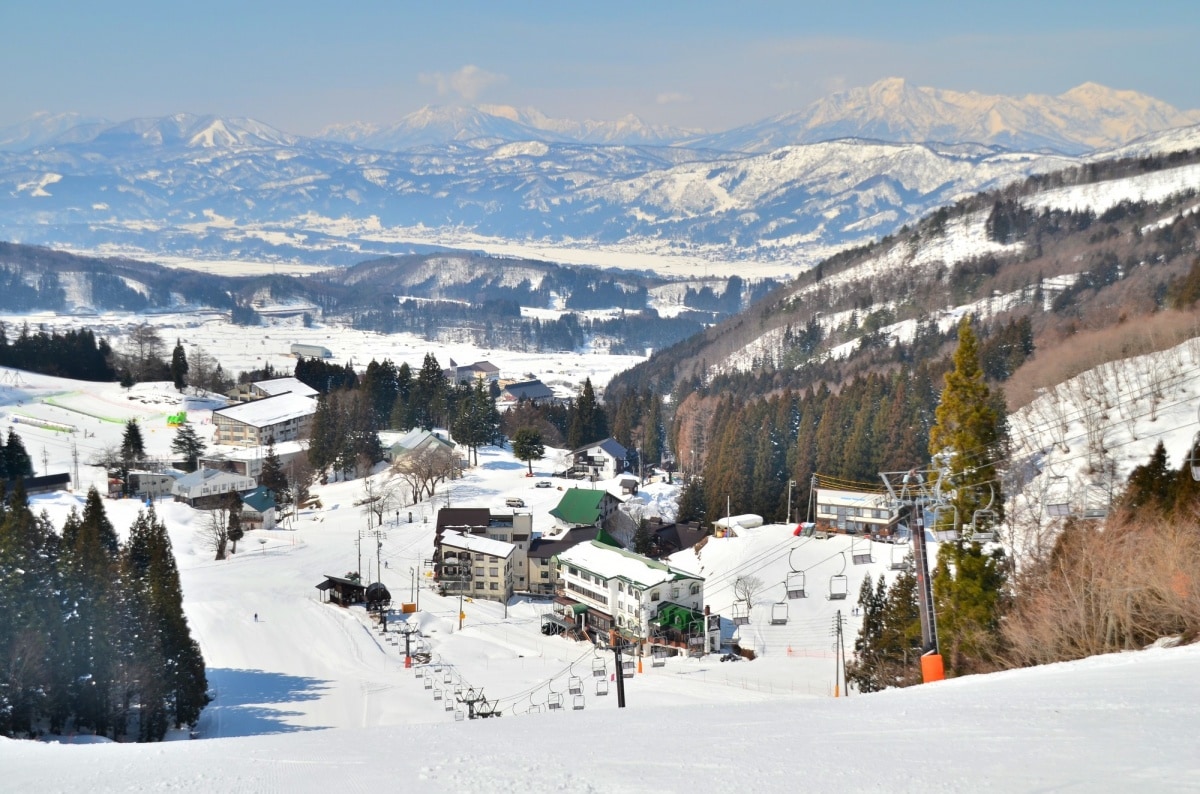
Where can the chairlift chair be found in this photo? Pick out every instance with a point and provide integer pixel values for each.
(944, 522)
(419, 671)
(437, 693)
(839, 583)
(659, 658)
(1056, 496)
(1194, 457)
(741, 615)
(577, 703)
(459, 715)
(860, 551)
(448, 704)
(983, 526)
(901, 563)
(627, 668)
(599, 670)
(575, 685)
(554, 702)
(794, 583)
(428, 682)
(601, 687)
(447, 677)
(779, 613)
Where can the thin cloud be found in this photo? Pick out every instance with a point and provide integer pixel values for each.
(468, 82)
(673, 98)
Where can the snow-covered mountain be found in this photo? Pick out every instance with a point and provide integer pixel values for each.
(40, 128)
(1089, 116)
(141, 184)
(435, 125)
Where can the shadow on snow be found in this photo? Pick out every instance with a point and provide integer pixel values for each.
(244, 702)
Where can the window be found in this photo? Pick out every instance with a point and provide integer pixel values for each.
(674, 592)
(654, 596)
(492, 559)
(479, 571)
(493, 586)
(694, 589)
(493, 572)
(545, 574)
(479, 585)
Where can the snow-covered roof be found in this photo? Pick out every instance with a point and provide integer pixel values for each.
(477, 543)
(277, 386)
(609, 446)
(282, 448)
(200, 476)
(614, 563)
(270, 410)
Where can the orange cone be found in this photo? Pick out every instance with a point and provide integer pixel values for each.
(639, 664)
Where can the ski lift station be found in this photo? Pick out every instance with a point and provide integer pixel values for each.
(856, 512)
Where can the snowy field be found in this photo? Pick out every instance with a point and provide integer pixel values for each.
(1106, 724)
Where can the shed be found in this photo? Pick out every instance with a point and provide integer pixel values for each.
(341, 591)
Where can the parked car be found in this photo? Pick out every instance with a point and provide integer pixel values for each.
(544, 484)
(514, 501)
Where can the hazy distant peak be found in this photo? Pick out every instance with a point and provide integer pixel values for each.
(1088, 116)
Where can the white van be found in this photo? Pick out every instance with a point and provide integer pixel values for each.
(514, 501)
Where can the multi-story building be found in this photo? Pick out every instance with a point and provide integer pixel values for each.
(604, 588)
(474, 566)
(284, 417)
(855, 512)
(510, 527)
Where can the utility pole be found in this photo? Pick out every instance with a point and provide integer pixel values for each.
(461, 614)
(75, 466)
(837, 657)
(617, 644)
(791, 485)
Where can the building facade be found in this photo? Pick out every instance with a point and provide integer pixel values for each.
(284, 417)
(474, 566)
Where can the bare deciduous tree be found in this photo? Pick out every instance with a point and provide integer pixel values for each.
(745, 588)
(424, 469)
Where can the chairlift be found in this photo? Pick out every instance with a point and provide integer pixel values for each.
(459, 715)
(447, 677)
(428, 682)
(627, 668)
(437, 694)
(659, 658)
(448, 704)
(601, 687)
(903, 562)
(1056, 496)
(1095, 502)
(554, 702)
(599, 670)
(1194, 457)
(741, 615)
(860, 551)
(779, 613)
(944, 522)
(534, 708)
(575, 685)
(794, 583)
(839, 583)
(419, 671)
(577, 703)
(983, 526)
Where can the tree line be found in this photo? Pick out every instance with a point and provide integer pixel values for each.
(92, 631)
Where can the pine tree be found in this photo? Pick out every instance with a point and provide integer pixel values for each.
(430, 394)
(691, 502)
(867, 671)
(133, 448)
(273, 476)
(527, 446)
(17, 462)
(179, 366)
(235, 531)
(188, 444)
(180, 668)
(970, 437)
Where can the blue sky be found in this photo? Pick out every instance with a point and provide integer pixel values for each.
(302, 65)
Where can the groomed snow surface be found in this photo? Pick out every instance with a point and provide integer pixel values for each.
(311, 697)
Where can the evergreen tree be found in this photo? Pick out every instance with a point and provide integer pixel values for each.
(179, 669)
(133, 448)
(273, 476)
(323, 442)
(969, 436)
(588, 423)
(179, 366)
(1150, 485)
(17, 462)
(430, 394)
(235, 531)
(691, 502)
(188, 444)
(866, 670)
(527, 446)
(643, 541)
